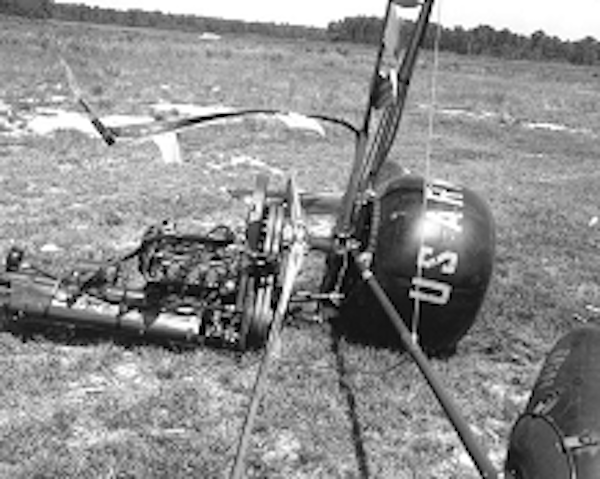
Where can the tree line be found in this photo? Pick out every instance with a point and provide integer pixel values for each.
(27, 8)
(153, 19)
(482, 40)
(186, 23)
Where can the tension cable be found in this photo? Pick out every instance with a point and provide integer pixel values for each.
(416, 317)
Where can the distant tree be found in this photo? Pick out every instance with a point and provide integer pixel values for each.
(27, 8)
(359, 29)
(586, 52)
(536, 45)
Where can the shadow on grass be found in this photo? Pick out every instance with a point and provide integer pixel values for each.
(79, 336)
(346, 388)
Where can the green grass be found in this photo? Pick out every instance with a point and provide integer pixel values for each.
(78, 407)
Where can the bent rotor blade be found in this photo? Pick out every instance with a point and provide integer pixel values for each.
(293, 267)
(154, 129)
(105, 132)
(292, 119)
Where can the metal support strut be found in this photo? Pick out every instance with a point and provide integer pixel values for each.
(292, 266)
(482, 462)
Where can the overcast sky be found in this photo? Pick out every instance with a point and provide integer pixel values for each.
(571, 20)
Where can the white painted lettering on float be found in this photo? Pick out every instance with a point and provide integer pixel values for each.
(443, 192)
(450, 219)
(430, 291)
(434, 291)
(446, 260)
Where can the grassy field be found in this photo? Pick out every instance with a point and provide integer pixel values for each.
(524, 135)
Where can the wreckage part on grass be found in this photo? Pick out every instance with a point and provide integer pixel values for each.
(219, 288)
(558, 434)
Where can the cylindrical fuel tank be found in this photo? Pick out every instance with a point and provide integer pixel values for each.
(433, 252)
(558, 435)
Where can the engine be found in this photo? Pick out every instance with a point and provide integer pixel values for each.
(219, 288)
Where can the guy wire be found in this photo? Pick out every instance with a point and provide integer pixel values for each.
(416, 317)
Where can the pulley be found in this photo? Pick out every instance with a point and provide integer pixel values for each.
(259, 280)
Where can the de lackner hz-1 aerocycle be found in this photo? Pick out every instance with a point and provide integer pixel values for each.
(409, 257)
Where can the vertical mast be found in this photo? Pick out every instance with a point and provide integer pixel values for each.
(366, 164)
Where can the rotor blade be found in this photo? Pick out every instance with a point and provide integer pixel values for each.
(105, 132)
(407, 3)
(154, 128)
(292, 119)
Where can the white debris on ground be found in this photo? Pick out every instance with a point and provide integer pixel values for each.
(545, 126)
(482, 115)
(168, 144)
(592, 309)
(248, 160)
(47, 121)
(557, 127)
(4, 107)
(58, 99)
(301, 122)
(506, 118)
(209, 37)
(244, 161)
(50, 120)
(50, 248)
